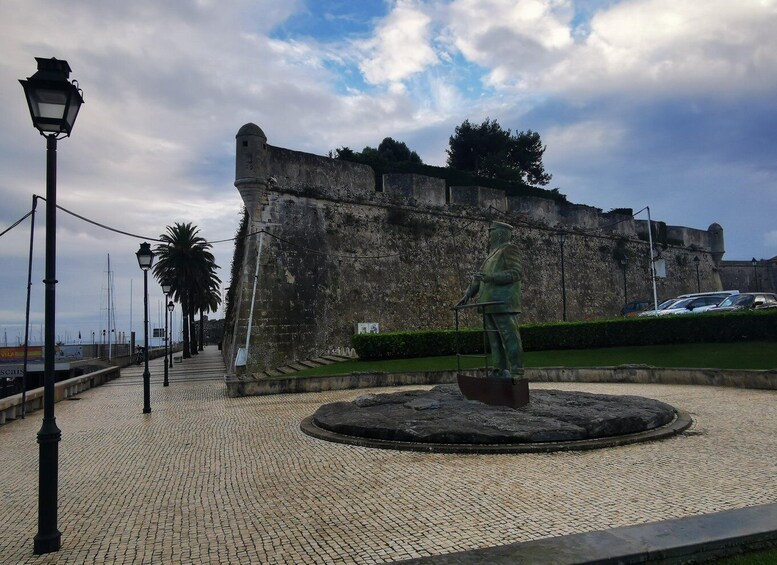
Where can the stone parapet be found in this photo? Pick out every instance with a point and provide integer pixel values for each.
(634, 374)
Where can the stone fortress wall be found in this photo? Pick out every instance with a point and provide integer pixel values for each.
(342, 247)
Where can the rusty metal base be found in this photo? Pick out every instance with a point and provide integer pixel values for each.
(513, 393)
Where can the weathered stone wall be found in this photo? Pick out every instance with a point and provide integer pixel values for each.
(341, 248)
(742, 276)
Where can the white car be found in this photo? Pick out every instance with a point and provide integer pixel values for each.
(692, 305)
(723, 293)
(661, 307)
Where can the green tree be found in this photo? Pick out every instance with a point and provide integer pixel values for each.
(389, 151)
(490, 151)
(207, 299)
(184, 259)
(345, 154)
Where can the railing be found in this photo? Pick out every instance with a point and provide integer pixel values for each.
(11, 407)
(485, 355)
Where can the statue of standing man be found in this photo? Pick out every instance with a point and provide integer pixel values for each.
(499, 280)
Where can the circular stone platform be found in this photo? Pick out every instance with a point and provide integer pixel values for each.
(442, 420)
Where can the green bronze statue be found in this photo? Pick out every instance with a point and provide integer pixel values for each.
(499, 280)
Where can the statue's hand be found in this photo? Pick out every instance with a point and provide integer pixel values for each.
(463, 301)
(479, 277)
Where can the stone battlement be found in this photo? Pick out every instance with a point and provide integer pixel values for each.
(305, 174)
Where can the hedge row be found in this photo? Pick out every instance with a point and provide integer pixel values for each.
(707, 328)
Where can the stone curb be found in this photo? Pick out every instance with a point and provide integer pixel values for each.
(681, 423)
(694, 539)
(637, 374)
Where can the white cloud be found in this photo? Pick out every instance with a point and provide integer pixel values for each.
(400, 47)
(654, 47)
(579, 141)
(510, 38)
(770, 240)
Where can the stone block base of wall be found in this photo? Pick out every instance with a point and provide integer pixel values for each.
(637, 374)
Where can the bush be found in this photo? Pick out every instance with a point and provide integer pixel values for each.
(706, 328)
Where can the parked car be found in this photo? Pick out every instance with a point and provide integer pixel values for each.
(693, 305)
(650, 311)
(747, 300)
(635, 307)
(723, 293)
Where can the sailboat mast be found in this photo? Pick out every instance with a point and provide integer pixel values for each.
(110, 349)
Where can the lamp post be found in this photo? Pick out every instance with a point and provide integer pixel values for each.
(696, 261)
(754, 261)
(624, 261)
(145, 259)
(170, 308)
(53, 101)
(166, 288)
(561, 238)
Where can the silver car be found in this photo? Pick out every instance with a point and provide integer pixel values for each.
(747, 300)
(694, 305)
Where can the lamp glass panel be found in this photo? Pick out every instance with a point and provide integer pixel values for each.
(48, 103)
(75, 105)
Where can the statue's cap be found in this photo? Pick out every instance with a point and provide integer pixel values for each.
(500, 226)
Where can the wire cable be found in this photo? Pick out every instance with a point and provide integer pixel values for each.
(16, 223)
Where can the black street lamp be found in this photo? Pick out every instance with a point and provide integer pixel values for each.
(166, 288)
(561, 238)
(145, 259)
(624, 261)
(696, 261)
(54, 102)
(170, 308)
(754, 261)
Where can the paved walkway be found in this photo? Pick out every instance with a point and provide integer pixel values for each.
(210, 479)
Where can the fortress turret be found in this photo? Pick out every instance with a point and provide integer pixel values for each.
(717, 247)
(251, 165)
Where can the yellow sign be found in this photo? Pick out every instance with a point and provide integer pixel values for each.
(16, 354)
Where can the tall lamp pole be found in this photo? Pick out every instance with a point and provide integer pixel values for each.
(624, 261)
(561, 238)
(754, 261)
(170, 308)
(696, 261)
(53, 101)
(145, 260)
(166, 288)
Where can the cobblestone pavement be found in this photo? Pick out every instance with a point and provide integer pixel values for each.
(210, 479)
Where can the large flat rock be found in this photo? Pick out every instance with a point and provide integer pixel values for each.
(443, 415)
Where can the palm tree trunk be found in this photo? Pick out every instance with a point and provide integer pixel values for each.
(202, 330)
(193, 334)
(185, 328)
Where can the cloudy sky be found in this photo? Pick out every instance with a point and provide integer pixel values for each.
(666, 103)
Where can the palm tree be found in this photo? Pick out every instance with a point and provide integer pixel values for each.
(207, 300)
(185, 261)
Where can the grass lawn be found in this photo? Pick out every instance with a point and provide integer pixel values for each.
(766, 557)
(741, 355)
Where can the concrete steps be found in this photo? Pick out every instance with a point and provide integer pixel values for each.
(306, 364)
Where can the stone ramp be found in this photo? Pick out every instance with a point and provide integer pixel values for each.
(290, 368)
(206, 365)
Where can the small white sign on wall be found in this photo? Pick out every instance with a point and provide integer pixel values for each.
(367, 328)
(661, 268)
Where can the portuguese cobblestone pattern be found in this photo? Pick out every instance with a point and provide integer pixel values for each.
(210, 479)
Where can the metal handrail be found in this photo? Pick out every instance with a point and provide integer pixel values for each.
(484, 331)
